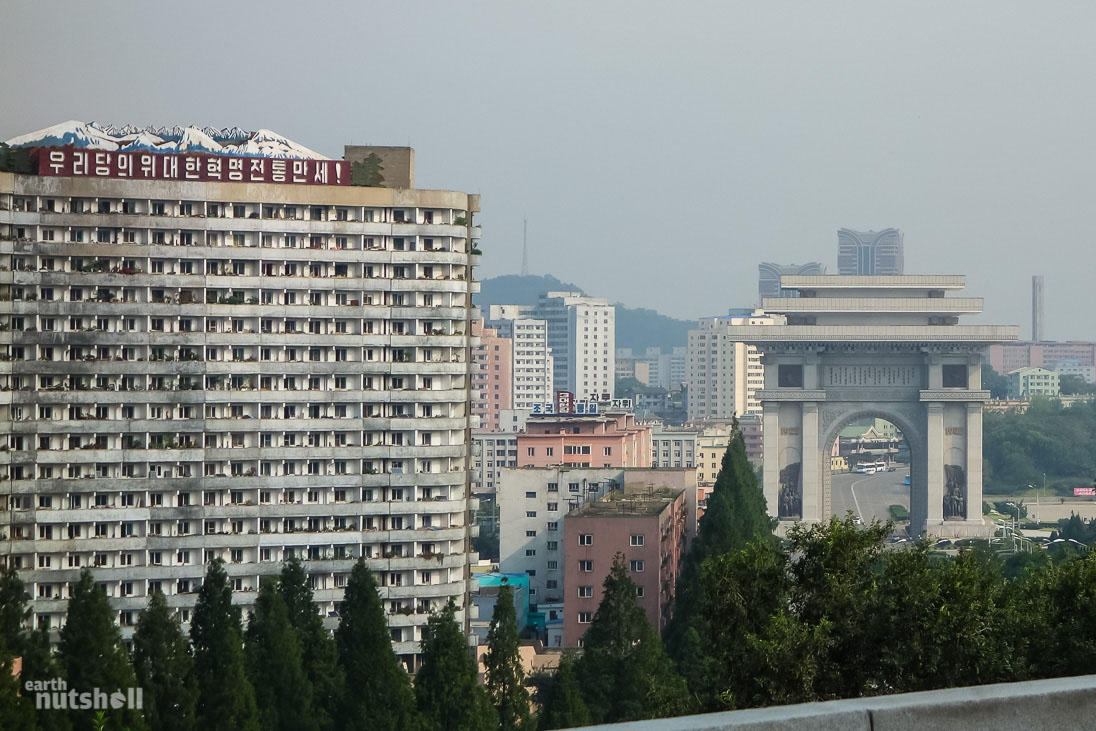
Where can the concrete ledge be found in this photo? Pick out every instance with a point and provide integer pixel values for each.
(1062, 704)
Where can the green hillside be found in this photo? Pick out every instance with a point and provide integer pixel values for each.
(636, 328)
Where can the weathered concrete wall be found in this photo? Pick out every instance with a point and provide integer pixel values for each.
(1062, 704)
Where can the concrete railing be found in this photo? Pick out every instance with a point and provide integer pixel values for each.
(1058, 703)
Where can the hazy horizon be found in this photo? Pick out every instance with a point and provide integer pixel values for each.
(658, 153)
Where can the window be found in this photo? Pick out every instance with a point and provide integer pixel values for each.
(636, 566)
(608, 451)
(553, 507)
(585, 592)
(586, 539)
(531, 451)
(585, 566)
(639, 592)
(530, 534)
(637, 540)
(585, 617)
(530, 513)
(553, 487)
(530, 552)
(531, 494)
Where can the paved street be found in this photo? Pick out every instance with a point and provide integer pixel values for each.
(869, 496)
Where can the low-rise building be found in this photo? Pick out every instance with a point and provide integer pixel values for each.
(1025, 383)
(533, 504)
(673, 446)
(643, 525)
(577, 440)
(486, 595)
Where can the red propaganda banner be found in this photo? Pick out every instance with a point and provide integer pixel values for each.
(1079, 491)
(71, 162)
(564, 402)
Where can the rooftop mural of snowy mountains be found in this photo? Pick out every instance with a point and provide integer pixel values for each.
(128, 138)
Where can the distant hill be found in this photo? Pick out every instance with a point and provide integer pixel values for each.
(636, 328)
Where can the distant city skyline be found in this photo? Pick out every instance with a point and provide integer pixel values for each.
(975, 141)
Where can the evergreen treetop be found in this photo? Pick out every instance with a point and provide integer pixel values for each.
(92, 653)
(282, 692)
(226, 699)
(505, 674)
(379, 692)
(161, 659)
(446, 688)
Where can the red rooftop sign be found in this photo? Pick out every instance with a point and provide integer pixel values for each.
(71, 162)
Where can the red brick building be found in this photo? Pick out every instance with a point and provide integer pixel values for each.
(647, 525)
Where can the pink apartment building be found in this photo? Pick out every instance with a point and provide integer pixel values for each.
(1007, 357)
(648, 526)
(604, 440)
(492, 375)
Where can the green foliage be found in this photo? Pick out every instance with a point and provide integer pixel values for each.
(161, 659)
(1011, 509)
(735, 516)
(14, 611)
(899, 512)
(319, 655)
(282, 692)
(92, 653)
(561, 699)
(226, 699)
(994, 382)
(16, 711)
(446, 688)
(1076, 528)
(1070, 385)
(367, 172)
(378, 690)
(41, 664)
(505, 675)
(1047, 438)
(624, 671)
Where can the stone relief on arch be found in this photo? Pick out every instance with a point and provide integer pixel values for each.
(791, 498)
(955, 492)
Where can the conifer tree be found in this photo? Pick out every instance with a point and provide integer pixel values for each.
(226, 699)
(282, 692)
(379, 692)
(14, 611)
(41, 664)
(562, 705)
(92, 653)
(161, 659)
(319, 655)
(16, 711)
(367, 172)
(505, 675)
(736, 515)
(447, 689)
(624, 672)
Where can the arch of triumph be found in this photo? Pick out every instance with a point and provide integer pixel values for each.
(875, 346)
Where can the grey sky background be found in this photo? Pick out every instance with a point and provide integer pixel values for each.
(659, 151)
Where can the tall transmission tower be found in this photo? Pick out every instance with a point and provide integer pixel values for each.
(524, 247)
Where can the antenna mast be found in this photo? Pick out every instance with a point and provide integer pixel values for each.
(524, 247)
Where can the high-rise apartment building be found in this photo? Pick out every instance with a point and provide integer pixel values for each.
(532, 366)
(232, 354)
(723, 375)
(492, 375)
(869, 252)
(768, 279)
(582, 335)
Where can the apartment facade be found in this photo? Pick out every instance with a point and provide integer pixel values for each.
(249, 364)
(1027, 383)
(647, 527)
(533, 366)
(724, 375)
(533, 504)
(673, 446)
(605, 440)
(582, 336)
(1006, 357)
(492, 375)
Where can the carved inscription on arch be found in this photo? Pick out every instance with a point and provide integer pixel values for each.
(867, 375)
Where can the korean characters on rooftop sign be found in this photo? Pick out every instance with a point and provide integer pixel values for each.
(71, 162)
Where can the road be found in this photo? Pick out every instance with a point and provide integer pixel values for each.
(869, 496)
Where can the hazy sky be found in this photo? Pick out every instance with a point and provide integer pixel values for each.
(659, 151)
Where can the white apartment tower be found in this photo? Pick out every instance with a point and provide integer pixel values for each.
(533, 373)
(582, 336)
(233, 356)
(723, 375)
